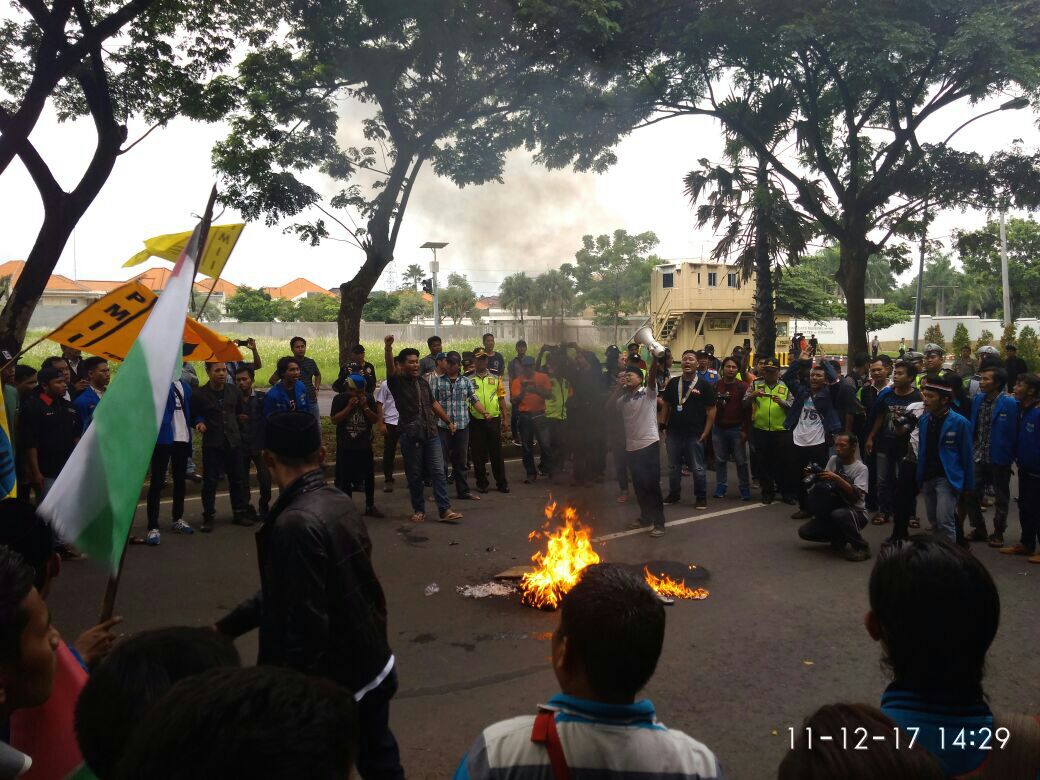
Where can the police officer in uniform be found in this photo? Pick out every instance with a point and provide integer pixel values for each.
(934, 355)
(769, 400)
(485, 436)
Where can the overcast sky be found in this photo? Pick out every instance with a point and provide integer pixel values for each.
(532, 222)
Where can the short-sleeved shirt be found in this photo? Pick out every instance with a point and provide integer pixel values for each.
(52, 428)
(454, 395)
(639, 412)
(355, 431)
(809, 431)
(855, 473)
(427, 365)
(531, 402)
(386, 398)
(309, 370)
(414, 401)
(892, 407)
(696, 397)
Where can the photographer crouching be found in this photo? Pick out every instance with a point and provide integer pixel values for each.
(836, 499)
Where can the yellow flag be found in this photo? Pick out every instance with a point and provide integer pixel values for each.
(221, 241)
(109, 326)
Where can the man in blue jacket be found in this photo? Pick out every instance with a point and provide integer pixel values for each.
(290, 394)
(1027, 456)
(945, 462)
(994, 420)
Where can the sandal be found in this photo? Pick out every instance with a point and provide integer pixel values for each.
(469, 497)
(136, 540)
(450, 516)
(915, 523)
(879, 519)
(418, 517)
(1015, 549)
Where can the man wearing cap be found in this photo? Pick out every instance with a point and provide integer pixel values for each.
(418, 413)
(49, 430)
(487, 430)
(529, 391)
(704, 367)
(440, 368)
(638, 408)
(320, 608)
(454, 392)
(945, 466)
(357, 365)
(769, 400)
(934, 356)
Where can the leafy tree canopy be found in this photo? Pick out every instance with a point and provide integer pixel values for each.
(980, 253)
(612, 274)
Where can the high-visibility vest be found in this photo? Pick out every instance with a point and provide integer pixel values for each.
(556, 404)
(488, 389)
(767, 414)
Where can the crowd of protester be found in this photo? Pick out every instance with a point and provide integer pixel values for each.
(174, 702)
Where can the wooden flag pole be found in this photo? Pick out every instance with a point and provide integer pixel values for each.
(108, 603)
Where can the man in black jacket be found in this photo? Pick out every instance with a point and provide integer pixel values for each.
(320, 608)
(252, 431)
(217, 410)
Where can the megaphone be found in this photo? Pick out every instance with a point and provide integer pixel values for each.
(646, 336)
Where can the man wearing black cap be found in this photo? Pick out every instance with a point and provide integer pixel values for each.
(320, 608)
(945, 463)
(49, 430)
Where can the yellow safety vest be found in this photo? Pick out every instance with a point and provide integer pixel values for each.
(768, 414)
(556, 404)
(488, 390)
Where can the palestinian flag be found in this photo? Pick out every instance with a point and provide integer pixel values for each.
(92, 503)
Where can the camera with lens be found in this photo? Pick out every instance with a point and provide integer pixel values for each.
(810, 479)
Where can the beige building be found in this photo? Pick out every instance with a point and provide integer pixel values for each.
(695, 303)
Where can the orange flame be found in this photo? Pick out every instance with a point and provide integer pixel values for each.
(568, 551)
(676, 589)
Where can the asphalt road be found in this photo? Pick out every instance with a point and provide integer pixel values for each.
(781, 633)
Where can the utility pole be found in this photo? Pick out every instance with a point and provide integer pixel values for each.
(434, 268)
(1004, 271)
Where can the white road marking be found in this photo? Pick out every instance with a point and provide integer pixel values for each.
(682, 521)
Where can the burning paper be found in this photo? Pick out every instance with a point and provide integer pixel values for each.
(676, 589)
(568, 551)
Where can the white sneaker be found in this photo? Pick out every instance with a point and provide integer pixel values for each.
(180, 527)
(153, 537)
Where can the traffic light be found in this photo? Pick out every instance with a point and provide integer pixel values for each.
(427, 286)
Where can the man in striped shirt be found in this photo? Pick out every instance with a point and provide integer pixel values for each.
(604, 652)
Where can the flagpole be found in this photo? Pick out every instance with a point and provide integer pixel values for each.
(108, 602)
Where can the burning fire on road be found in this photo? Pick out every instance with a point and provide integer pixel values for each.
(568, 550)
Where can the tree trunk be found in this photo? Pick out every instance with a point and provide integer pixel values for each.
(852, 272)
(765, 312)
(353, 296)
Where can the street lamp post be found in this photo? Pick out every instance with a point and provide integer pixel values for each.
(1010, 105)
(434, 268)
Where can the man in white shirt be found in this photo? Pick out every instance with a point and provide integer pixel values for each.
(638, 408)
(387, 421)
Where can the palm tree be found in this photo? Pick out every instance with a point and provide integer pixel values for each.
(553, 294)
(761, 222)
(413, 274)
(515, 294)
